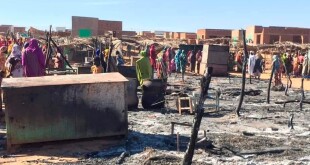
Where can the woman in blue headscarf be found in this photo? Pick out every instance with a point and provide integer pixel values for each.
(177, 61)
(277, 70)
(183, 63)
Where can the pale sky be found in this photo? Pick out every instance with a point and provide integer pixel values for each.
(166, 15)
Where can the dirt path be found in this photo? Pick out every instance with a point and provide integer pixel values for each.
(296, 82)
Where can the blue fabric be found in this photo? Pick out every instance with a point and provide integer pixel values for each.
(276, 61)
(120, 61)
(177, 61)
(183, 61)
(98, 52)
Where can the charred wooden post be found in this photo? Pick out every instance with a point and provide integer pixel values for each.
(62, 55)
(111, 65)
(205, 83)
(250, 79)
(288, 80)
(302, 88)
(243, 74)
(290, 122)
(302, 97)
(178, 142)
(269, 84)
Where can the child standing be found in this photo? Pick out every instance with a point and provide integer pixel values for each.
(97, 68)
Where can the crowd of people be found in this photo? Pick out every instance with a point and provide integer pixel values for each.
(101, 58)
(166, 62)
(285, 64)
(22, 59)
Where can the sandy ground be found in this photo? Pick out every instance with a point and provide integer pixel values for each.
(296, 82)
(261, 126)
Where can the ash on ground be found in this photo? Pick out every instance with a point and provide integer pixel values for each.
(260, 136)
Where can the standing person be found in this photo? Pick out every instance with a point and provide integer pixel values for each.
(97, 68)
(288, 63)
(177, 61)
(101, 55)
(59, 61)
(143, 68)
(300, 62)
(33, 60)
(238, 61)
(193, 61)
(162, 69)
(295, 66)
(119, 59)
(258, 66)
(306, 65)
(188, 56)
(251, 63)
(13, 62)
(147, 50)
(168, 60)
(199, 59)
(2, 69)
(2, 58)
(277, 70)
(172, 66)
(128, 50)
(106, 54)
(153, 56)
(183, 62)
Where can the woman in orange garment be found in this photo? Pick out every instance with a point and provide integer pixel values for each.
(295, 66)
(97, 68)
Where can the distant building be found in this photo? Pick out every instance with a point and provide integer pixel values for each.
(159, 34)
(167, 35)
(269, 35)
(213, 33)
(186, 36)
(60, 29)
(176, 35)
(11, 28)
(129, 33)
(95, 27)
(236, 35)
(147, 34)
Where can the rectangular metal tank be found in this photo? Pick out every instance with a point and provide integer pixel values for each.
(215, 56)
(67, 107)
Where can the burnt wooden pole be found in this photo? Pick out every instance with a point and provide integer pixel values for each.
(61, 53)
(302, 93)
(288, 80)
(48, 49)
(270, 81)
(199, 111)
(245, 58)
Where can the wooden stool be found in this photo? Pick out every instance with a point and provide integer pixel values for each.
(214, 96)
(190, 108)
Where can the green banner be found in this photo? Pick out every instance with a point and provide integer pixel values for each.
(85, 33)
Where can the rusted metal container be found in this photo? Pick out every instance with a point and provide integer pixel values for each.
(132, 97)
(68, 107)
(215, 56)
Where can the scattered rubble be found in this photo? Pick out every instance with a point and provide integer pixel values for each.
(260, 135)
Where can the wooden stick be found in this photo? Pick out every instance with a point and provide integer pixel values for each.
(291, 124)
(243, 74)
(205, 83)
(288, 80)
(178, 142)
(269, 84)
(302, 94)
(58, 49)
(275, 150)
